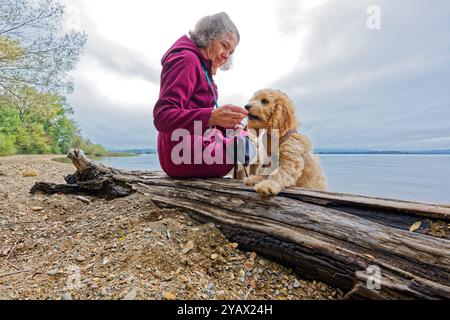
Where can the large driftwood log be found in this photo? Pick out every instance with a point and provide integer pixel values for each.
(327, 236)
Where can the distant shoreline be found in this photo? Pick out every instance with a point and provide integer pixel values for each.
(321, 151)
(135, 151)
(382, 153)
(130, 153)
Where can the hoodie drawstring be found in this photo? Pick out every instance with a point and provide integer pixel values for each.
(211, 86)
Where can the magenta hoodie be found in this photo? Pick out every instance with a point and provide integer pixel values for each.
(186, 97)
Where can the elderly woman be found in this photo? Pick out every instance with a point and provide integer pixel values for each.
(188, 99)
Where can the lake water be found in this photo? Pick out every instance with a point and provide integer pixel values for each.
(424, 178)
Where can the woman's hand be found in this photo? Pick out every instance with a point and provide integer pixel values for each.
(227, 116)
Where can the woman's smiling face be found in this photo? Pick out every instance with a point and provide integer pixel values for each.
(220, 50)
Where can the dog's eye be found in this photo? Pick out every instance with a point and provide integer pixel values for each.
(264, 101)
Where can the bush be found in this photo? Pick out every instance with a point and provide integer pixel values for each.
(94, 150)
(7, 143)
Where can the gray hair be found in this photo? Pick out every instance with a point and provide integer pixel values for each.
(211, 28)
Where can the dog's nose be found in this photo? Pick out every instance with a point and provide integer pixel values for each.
(248, 107)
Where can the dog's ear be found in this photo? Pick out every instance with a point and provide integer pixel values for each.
(283, 116)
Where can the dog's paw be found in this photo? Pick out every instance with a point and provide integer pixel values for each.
(252, 181)
(268, 188)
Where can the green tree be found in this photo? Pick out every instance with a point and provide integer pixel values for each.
(33, 139)
(9, 119)
(9, 126)
(63, 133)
(35, 49)
(7, 145)
(44, 121)
(89, 148)
(36, 54)
(10, 50)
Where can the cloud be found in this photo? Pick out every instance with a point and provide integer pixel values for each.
(353, 87)
(115, 87)
(121, 59)
(381, 89)
(113, 96)
(106, 122)
(112, 54)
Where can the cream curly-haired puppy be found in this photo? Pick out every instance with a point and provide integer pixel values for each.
(272, 110)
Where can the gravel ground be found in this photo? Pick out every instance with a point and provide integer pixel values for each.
(64, 247)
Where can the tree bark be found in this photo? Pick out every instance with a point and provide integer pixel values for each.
(340, 239)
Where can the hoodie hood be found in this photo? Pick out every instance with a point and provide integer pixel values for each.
(184, 43)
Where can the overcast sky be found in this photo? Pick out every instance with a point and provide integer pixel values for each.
(353, 87)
